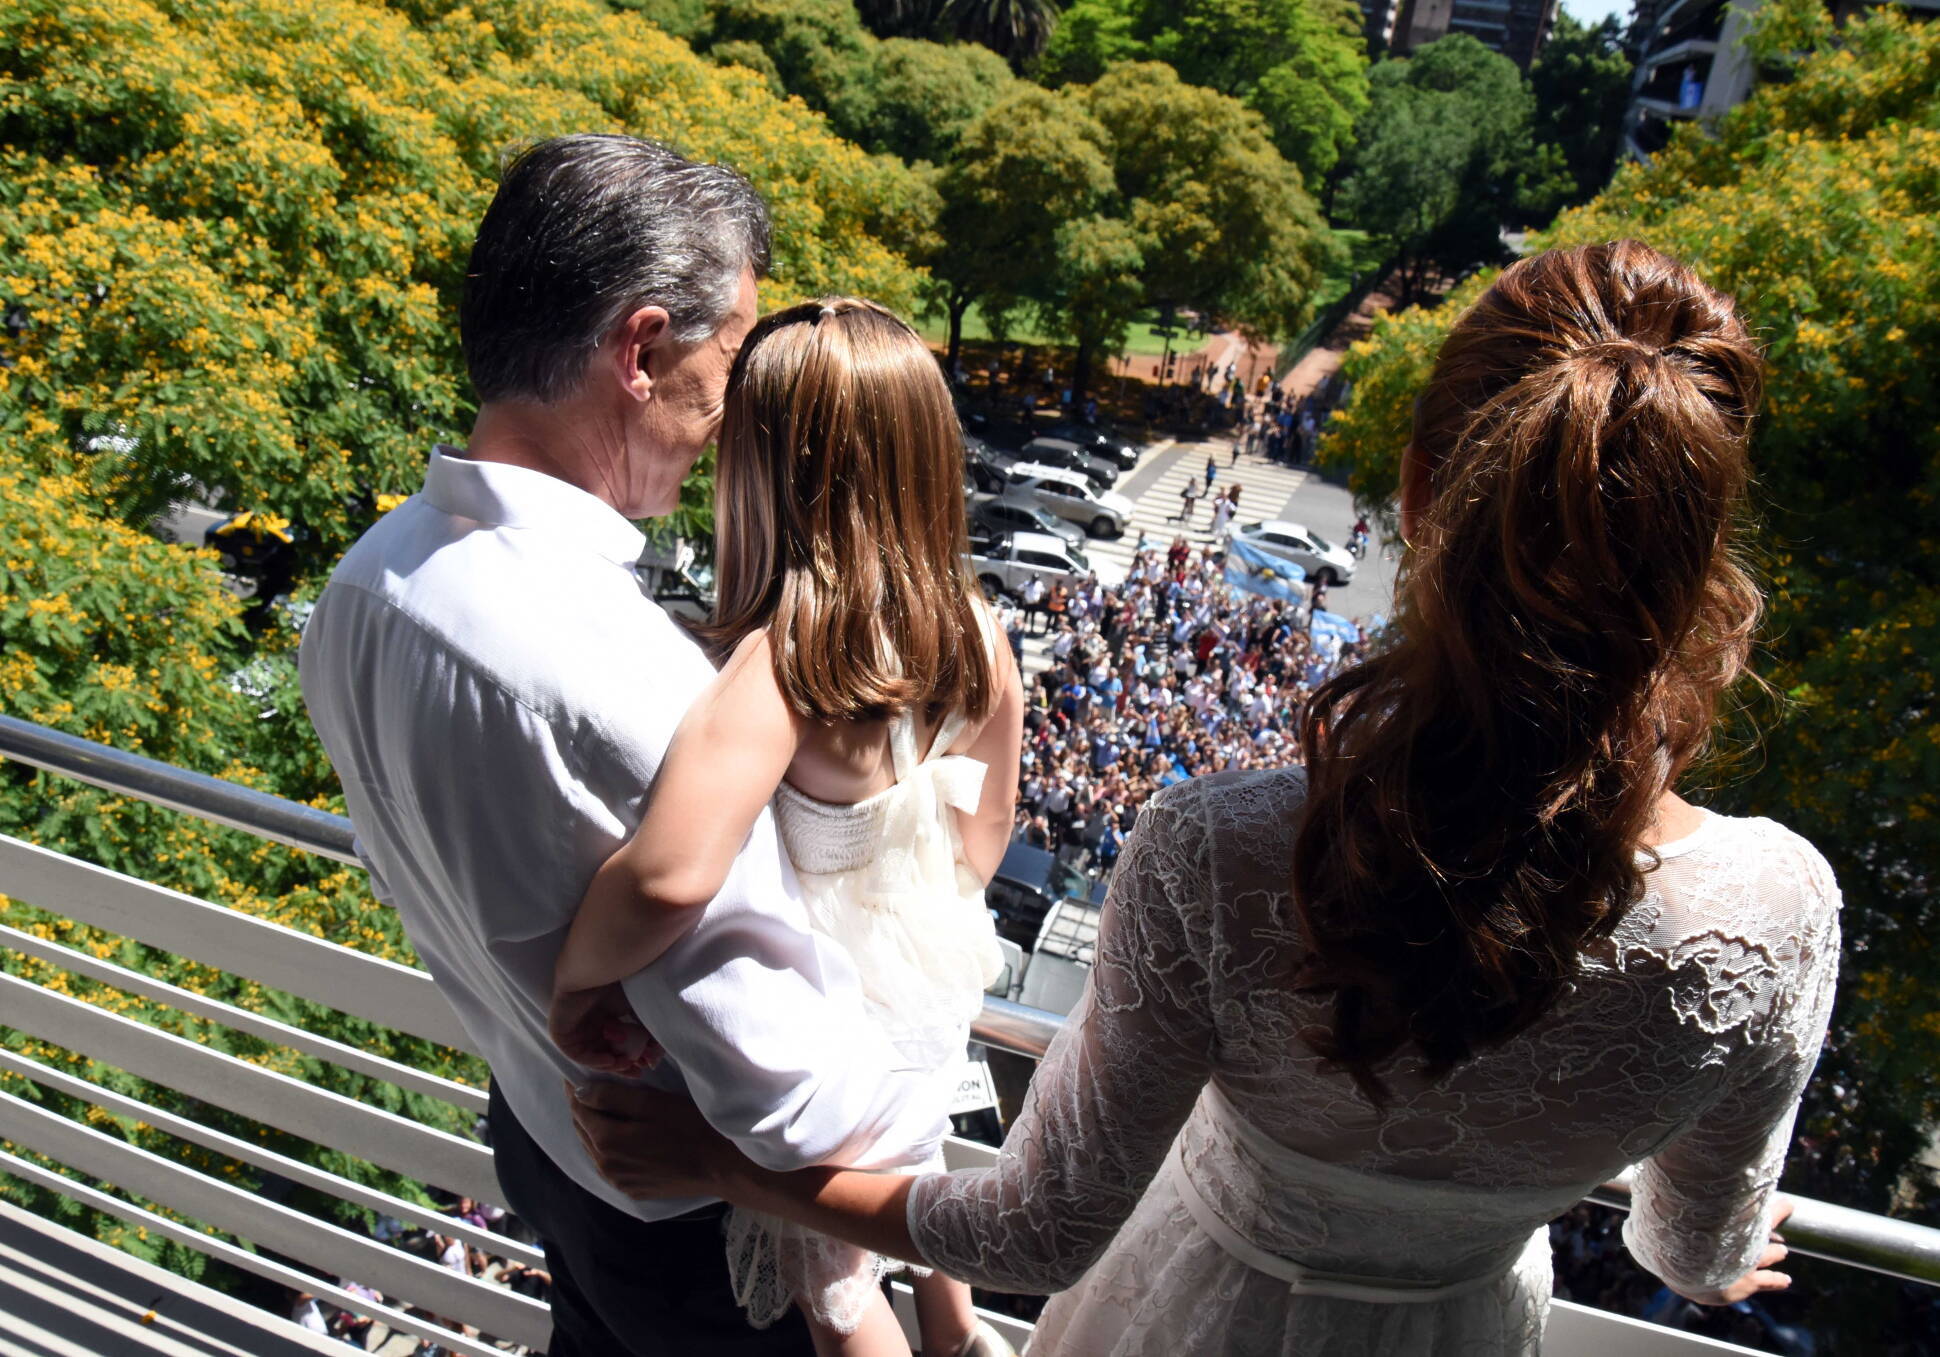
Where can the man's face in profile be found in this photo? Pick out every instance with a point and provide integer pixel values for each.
(690, 387)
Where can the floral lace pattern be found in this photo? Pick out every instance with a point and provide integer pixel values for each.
(1682, 1047)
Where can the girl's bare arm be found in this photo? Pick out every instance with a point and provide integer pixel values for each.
(723, 766)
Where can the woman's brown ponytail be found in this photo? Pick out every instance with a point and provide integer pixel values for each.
(1569, 614)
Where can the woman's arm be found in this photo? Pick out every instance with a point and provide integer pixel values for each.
(998, 746)
(1111, 1094)
(1703, 1207)
(723, 766)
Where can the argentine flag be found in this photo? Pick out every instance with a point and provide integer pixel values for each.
(1253, 571)
(1336, 626)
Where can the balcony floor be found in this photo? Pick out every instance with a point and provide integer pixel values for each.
(65, 1296)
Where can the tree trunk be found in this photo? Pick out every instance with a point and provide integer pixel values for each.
(1081, 372)
(959, 303)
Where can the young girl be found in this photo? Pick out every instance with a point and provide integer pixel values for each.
(868, 694)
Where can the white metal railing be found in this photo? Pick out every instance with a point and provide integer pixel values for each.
(404, 999)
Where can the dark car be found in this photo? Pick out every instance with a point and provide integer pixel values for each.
(1101, 472)
(1015, 513)
(1028, 882)
(1095, 439)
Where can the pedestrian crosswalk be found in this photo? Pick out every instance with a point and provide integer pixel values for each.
(1154, 487)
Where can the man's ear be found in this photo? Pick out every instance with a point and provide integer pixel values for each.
(633, 345)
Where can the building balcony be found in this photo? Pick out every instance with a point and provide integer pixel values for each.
(61, 1293)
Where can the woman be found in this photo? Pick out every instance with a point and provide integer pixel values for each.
(1354, 1034)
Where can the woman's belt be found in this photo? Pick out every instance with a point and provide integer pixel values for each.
(1302, 1280)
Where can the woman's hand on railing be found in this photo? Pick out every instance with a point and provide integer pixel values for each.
(1760, 1278)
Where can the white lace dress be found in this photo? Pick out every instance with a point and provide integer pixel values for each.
(885, 878)
(1201, 1185)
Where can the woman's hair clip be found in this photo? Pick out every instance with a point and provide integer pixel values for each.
(827, 313)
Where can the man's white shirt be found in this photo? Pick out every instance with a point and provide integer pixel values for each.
(497, 692)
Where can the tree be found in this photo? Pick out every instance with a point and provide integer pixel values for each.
(1300, 64)
(1029, 166)
(1229, 229)
(1014, 29)
(1581, 85)
(925, 95)
(1812, 205)
(235, 236)
(1443, 159)
(902, 96)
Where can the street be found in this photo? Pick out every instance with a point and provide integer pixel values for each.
(1267, 491)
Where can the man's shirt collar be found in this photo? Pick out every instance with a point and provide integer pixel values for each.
(517, 497)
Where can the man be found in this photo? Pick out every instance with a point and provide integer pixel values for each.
(496, 692)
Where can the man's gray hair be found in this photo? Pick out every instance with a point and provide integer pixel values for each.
(584, 231)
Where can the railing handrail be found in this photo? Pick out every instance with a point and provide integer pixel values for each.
(1838, 1234)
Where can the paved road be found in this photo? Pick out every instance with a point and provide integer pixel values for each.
(1267, 490)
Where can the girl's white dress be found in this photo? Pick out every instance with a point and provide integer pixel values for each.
(885, 878)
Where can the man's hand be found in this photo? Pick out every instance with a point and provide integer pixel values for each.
(1760, 1278)
(652, 1144)
(597, 1028)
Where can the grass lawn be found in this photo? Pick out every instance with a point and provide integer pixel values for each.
(1139, 339)
(1358, 254)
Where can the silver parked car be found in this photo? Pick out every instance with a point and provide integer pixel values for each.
(1102, 513)
(1325, 562)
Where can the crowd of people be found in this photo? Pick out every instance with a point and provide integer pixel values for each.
(1170, 675)
(446, 1250)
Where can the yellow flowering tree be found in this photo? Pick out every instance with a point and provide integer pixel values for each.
(232, 233)
(231, 241)
(109, 634)
(1813, 204)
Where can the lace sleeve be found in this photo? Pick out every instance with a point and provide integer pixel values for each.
(1112, 1092)
(1701, 1207)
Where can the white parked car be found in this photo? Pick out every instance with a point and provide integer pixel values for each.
(1005, 565)
(1325, 562)
(1102, 513)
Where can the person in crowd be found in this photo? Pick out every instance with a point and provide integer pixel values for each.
(1222, 514)
(1356, 1033)
(1033, 595)
(1212, 471)
(306, 1312)
(496, 692)
(872, 703)
(1057, 604)
(1188, 496)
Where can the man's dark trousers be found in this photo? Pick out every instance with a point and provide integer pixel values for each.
(626, 1287)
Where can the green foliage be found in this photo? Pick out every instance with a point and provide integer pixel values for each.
(235, 234)
(1225, 225)
(1813, 205)
(109, 634)
(1581, 85)
(1444, 159)
(1092, 203)
(1300, 64)
(900, 96)
(927, 93)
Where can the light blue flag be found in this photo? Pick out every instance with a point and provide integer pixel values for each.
(1333, 624)
(1253, 571)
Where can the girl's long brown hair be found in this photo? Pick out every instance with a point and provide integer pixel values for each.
(1569, 614)
(839, 521)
